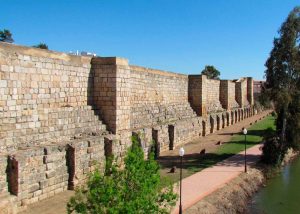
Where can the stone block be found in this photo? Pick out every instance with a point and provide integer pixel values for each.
(50, 174)
(3, 83)
(33, 187)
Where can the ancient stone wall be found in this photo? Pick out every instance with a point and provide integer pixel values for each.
(250, 88)
(231, 95)
(195, 94)
(39, 172)
(227, 95)
(241, 95)
(61, 116)
(157, 97)
(111, 91)
(213, 103)
(131, 97)
(245, 93)
(36, 173)
(3, 175)
(205, 95)
(43, 96)
(45, 107)
(45, 79)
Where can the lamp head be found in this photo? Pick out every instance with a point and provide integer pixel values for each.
(244, 131)
(181, 152)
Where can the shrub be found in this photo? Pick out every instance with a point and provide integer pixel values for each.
(273, 152)
(41, 46)
(274, 114)
(135, 189)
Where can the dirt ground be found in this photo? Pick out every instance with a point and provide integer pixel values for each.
(57, 204)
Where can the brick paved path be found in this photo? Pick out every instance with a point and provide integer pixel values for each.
(201, 184)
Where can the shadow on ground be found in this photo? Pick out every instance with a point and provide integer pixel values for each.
(199, 161)
(257, 132)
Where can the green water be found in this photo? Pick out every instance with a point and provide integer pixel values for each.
(281, 194)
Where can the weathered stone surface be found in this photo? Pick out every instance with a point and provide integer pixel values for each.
(61, 116)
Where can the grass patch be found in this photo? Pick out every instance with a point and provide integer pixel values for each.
(254, 136)
(194, 162)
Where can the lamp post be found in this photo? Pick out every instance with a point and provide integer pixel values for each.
(245, 133)
(181, 153)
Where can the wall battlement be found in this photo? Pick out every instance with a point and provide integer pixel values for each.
(62, 115)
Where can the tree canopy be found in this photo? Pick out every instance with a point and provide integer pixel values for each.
(41, 46)
(211, 72)
(283, 80)
(6, 36)
(135, 189)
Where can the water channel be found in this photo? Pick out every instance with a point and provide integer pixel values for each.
(281, 194)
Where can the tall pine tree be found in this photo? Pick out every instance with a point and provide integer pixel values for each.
(283, 80)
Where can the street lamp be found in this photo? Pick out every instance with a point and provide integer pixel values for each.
(181, 153)
(245, 133)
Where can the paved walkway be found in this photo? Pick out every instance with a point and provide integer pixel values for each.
(201, 184)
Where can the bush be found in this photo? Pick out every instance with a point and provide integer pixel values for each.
(273, 153)
(274, 114)
(135, 189)
(41, 46)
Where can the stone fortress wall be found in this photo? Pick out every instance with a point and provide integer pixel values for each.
(62, 115)
(157, 97)
(44, 95)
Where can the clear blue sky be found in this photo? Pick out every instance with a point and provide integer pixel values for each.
(177, 35)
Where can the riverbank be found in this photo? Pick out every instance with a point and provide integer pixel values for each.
(280, 194)
(235, 195)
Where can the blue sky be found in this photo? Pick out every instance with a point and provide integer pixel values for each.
(181, 35)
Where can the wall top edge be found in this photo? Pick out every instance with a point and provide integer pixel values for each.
(37, 52)
(242, 79)
(110, 61)
(156, 71)
(226, 80)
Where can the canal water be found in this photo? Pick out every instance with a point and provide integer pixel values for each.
(281, 194)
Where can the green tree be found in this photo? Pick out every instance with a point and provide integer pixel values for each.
(283, 80)
(135, 189)
(6, 36)
(211, 72)
(41, 46)
(271, 149)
